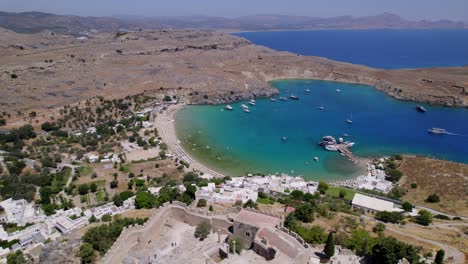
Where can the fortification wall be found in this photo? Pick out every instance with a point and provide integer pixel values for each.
(134, 235)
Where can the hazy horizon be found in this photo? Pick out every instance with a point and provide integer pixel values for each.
(412, 10)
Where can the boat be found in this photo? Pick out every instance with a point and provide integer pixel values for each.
(283, 98)
(228, 107)
(350, 120)
(340, 140)
(246, 110)
(421, 109)
(438, 131)
(322, 108)
(243, 106)
(252, 100)
(284, 138)
(251, 103)
(307, 90)
(292, 96)
(273, 99)
(331, 147)
(327, 140)
(338, 90)
(316, 158)
(349, 143)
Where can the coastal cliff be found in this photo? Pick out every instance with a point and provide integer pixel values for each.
(47, 70)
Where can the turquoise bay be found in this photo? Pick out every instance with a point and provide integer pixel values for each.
(236, 143)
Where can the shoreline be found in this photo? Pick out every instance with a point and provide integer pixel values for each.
(165, 123)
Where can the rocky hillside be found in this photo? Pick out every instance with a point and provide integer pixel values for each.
(44, 71)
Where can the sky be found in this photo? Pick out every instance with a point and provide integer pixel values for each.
(410, 9)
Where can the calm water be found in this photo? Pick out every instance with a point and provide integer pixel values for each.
(236, 142)
(388, 49)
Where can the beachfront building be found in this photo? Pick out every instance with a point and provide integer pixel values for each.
(373, 205)
(375, 179)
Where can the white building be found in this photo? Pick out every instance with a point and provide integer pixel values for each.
(19, 212)
(373, 205)
(65, 224)
(102, 210)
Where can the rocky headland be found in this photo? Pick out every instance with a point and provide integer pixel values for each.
(48, 70)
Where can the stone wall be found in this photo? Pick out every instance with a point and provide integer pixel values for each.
(132, 236)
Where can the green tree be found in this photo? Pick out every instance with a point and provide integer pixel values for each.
(407, 206)
(16, 258)
(145, 200)
(106, 218)
(250, 204)
(329, 249)
(87, 253)
(297, 195)
(83, 189)
(304, 213)
(210, 208)
(93, 187)
(388, 251)
(342, 193)
(323, 187)
(379, 228)
(424, 218)
(433, 198)
(201, 203)
(203, 230)
(439, 258)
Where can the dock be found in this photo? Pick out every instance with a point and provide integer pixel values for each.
(343, 149)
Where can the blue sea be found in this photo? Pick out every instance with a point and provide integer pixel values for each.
(236, 143)
(388, 49)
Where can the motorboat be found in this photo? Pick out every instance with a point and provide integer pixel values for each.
(294, 97)
(228, 107)
(331, 147)
(251, 103)
(243, 106)
(322, 108)
(283, 98)
(273, 99)
(307, 90)
(316, 158)
(338, 90)
(421, 109)
(438, 131)
(246, 110)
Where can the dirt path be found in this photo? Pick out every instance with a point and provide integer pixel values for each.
(458, 256)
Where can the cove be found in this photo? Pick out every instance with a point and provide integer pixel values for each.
(235, 143)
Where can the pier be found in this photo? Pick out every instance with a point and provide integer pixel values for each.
(343, 149)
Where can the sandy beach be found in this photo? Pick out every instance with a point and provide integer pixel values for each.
(165, 123)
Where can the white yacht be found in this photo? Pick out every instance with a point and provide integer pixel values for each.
(228, 107)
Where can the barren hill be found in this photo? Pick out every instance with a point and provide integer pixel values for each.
(45, 70)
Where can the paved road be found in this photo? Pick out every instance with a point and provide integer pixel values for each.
(432, 211)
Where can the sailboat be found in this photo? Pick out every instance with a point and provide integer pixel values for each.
(350, 120)
(292, 96)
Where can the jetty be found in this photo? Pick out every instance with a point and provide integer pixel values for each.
(344, 150)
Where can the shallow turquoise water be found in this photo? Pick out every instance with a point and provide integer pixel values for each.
(235, 142)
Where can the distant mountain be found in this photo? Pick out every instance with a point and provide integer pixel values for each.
(29, 22)
(32, 22)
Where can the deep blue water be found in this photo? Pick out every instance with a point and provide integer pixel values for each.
(239, 142)
(389, 49)
(236, 143)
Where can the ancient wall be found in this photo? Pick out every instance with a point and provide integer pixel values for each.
(263, 250)
(132, 236)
